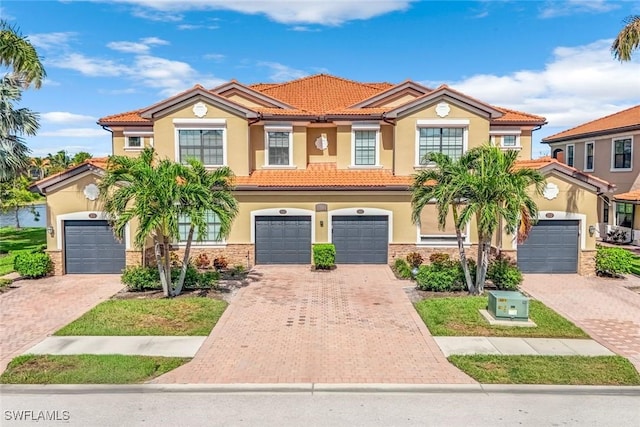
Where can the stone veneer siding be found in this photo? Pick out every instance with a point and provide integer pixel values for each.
(401, 251)
(58, 265)
(236, 254)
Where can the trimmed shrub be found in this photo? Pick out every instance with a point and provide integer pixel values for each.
(402, 269)
(220, 263)
(440, 277)
(324, 256)
(140, 279)
(202, 261)
(613, 262)
(414, 259)
(504, 273)
(33, 265)
(237, 270)
(440, 258)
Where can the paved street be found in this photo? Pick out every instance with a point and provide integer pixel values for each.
(40, 307)
(603, 307)
(351, 325)
(473, 405)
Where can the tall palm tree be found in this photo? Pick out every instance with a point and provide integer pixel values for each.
(157, 193)
(59, 161)
(497, 191)
(14, 123)
(41, 164)
(17, 53)
(443, 184)
(80, 157)
(628, 39)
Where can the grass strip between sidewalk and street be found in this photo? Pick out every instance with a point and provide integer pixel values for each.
(551, 370)
(460, 316)
(87, 369)
(135, 317)
(14, 241)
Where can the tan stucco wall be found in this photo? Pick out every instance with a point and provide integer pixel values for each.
(236, 128)
(571, 198)
(405, 133)
(322, 156)
(403, 99)
(244, 101)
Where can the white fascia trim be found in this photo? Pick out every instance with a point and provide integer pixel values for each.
(354, 212)
(593, 151)
(138, 133)
(613, 154)
(179, 122)
(442, 123)
(364, 127)
(276, 212)
(75, 178)
(573, 155)
(506, 132)
(278, 128)
(176, 144)
(560, 215)
(84, 216)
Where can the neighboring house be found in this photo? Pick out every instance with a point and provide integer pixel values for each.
(608, 148)
(322, 159)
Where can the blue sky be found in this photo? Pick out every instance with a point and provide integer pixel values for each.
(549, 58)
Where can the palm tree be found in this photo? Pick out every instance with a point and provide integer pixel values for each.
(497, 191)
(14, 123)
(59, 161)
(40, 164)
(157, 193)
(442, 183)
(17, 52)
(628, 39)
(80, 157)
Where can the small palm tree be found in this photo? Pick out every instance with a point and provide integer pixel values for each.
(80, 157)
(443, 183)
(41, 164)
(628, 39)
(497, 191)
(17, 52)
(157, 193)
(59, 161)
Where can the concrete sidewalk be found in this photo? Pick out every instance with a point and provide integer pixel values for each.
(139, 345)
(521, 346)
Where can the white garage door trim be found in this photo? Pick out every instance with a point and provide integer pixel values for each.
(560, 215)
(86, 216)
(365, 212)
(289, 212)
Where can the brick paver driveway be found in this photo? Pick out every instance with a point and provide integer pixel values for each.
(351, 325)
(604, 308)
(40, 307)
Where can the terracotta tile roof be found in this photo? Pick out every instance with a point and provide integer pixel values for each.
(128, 117)
(517, 116)
(99, 162)
(621, 119)
(542, 162)
(322, 93)
(322, 175)
(260, 86)
(631, 196)
(282, 111)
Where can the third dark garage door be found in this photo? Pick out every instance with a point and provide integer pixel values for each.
(361, 239)
(552, 247)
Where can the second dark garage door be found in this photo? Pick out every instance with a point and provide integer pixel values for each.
(90, 247)
(552, 247)
(283, 240)
(361, 239)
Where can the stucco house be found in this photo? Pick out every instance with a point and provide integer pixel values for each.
(606, 148)
(322, 159)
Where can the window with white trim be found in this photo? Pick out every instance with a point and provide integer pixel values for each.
(624, 214)
(588, 156)
(509, 141)
(213, 229)
(278, 146)
(205, 145)
(622, 152)
(449, 141)
(364, 147)
(134, 142)
(571, 154)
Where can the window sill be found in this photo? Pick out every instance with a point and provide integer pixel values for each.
(588, 170)
(210, 245)
(420, 167)
(364, 167)
(621, 170)
(133, 148)
(279, 167)
(511, 147)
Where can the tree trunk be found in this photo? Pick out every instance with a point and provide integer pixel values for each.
(167, 265)
(461, 251)
(160, 264)
(185, 262)
(483, 264)
(16, 213)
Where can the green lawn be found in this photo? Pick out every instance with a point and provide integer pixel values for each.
(176, 316)
(14, 241)
(556, 370)
(460, 316)
(87, 369)
(635, 265)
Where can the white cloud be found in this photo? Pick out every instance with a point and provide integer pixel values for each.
(88, 66)
(74, 133)
(197, 27)
(51, 41)
(143, 46)
(281, 72)
(65, 117)
(304, 29)
(554, 8)
(578, 84)
(333, 12)
(214, 57)
(156, 15)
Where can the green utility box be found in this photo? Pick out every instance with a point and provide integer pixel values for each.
(508, 305)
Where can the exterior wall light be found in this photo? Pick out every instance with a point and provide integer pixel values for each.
(50, 230)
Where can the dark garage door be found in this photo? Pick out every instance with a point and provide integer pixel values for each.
(90, 247)
(361, 239)
(283, 240)
(552, 247)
